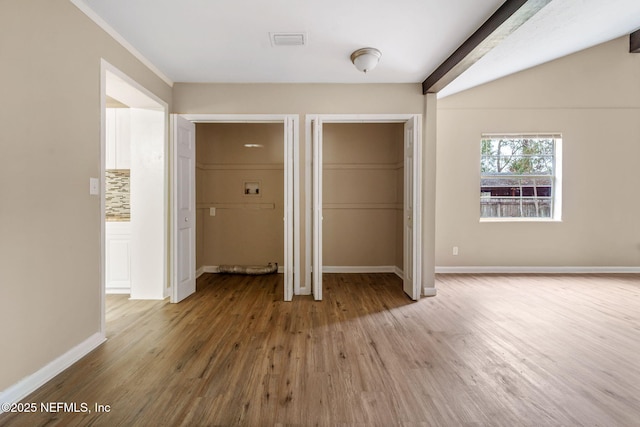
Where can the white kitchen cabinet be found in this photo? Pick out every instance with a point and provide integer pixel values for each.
(118, 138)
(118, 257)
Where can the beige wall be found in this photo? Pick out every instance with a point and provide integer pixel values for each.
(362, 194)
(303, 99)
(300, 99)
(49, 224)
(593, 99)
(247, 229)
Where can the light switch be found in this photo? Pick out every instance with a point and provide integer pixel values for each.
(94, 186)
(212, 211)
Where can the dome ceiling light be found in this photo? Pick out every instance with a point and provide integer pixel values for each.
(366, 59)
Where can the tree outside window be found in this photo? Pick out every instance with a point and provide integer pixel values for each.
(517, 176)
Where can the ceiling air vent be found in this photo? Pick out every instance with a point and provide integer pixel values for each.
(288, 39)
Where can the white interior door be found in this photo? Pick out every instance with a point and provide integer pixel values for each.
(183, 134)
(412, 209)
(316, 278)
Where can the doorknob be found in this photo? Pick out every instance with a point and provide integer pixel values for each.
(186, 219)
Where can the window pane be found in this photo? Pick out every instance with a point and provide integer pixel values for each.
(516, 156)
(517, 176)
(515, 207)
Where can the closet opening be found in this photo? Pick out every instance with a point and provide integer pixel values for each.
(366, 197)
(239, 195)
(363, 186)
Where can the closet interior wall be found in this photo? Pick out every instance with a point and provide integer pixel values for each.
(363, 182)
(239, 194)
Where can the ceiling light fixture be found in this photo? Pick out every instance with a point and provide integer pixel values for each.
(366, 59)
(253, 145)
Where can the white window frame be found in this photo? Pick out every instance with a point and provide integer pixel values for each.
(556, 214)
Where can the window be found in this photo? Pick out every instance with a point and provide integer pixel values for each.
(520, 176)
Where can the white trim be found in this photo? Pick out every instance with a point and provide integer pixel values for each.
(536, 270)
(91, 14)
(429, 292)
(307, 203)
(290, 124)
(359, 269)
(237, 118)
(293, 119)
(31, 383)
(106, 67)
(118, 291)
(199, 272)
(365, 118)
(313, 201)
(292, 149)
(399, 272)
(517, 219)
(298, 286)
(316, 214)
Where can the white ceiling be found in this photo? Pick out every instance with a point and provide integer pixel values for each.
(228, 40)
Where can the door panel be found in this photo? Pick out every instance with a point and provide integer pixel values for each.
(412, 210)
(183, 189)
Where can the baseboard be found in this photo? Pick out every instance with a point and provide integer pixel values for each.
(117, 291)
(28, 385)
(429, 292)
(537, 270)
(215, 270)
(359, 269)
(200, 272)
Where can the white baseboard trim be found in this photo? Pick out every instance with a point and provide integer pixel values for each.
(359, 269)
(537, 270)
(28, 385)
(429, 292)
(399, 272)
(200, 272)
(117, 291)
(215, 269)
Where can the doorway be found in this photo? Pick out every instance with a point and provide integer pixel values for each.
(248, 198)
(378, 196)
(239, 195)
(134, 191)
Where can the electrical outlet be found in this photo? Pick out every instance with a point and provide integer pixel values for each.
(455, 250)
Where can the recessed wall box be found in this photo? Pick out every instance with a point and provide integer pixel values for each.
(252, 188)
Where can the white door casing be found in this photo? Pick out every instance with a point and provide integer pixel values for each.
(292, 209)
(316, 279)
(183, 207)
(412, 224)
(412, 209)
(289, 141)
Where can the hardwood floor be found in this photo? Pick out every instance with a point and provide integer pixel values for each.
(528, 350)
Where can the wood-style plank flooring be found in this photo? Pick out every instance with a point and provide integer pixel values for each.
(519, 350)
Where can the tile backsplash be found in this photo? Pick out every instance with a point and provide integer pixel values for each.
(117, 197)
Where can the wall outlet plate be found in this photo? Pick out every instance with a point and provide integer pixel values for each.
(252, 188)
(94, 186)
